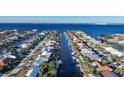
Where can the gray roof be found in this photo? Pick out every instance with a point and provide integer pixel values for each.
(86, 51)
(90, 54)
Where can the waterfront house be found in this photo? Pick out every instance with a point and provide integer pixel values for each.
(90, 54)
(80, 45)
(100, 67)
(109, 74)
(5, 62)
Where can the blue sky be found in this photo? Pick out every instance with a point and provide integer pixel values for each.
(62, 19)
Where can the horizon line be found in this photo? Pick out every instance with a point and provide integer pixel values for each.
(97, 23)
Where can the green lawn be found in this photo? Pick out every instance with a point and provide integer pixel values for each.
(22, 72)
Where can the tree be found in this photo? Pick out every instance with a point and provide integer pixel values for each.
(116, 46)
(117, 71)
(106, 61)
(97, 72)
(113, 66)
(116, 58)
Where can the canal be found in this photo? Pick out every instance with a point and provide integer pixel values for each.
(68, 67)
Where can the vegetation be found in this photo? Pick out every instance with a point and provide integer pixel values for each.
(116, 58)
(97, 72)
(7, 69)
(113, 66)
(117, 71)
(116, 46)
(106, 61)
(47, 69)
(105, 43)
(105, 36)
(83, 62)
(86, 68)
(22, 72)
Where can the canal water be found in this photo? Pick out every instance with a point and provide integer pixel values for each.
(68, 67)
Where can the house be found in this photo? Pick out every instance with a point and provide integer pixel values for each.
(44, 53)
(90, 54)
(45, 49)
(109, 74)
(80, 45)
(5, 62)
(12, 56)
(100, 67)
(24, 45)
(42, 33)
(113, 51)
(33, 71)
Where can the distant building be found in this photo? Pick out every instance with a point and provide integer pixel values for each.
(113, 51)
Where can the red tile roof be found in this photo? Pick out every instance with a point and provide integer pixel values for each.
(106, 68)
(2, 63)
(5, 61)
(102, 68)
(108, 74)
(80, 45)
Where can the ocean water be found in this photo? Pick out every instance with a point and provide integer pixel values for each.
(92, 30)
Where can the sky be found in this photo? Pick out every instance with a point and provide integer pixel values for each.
(61, 19)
